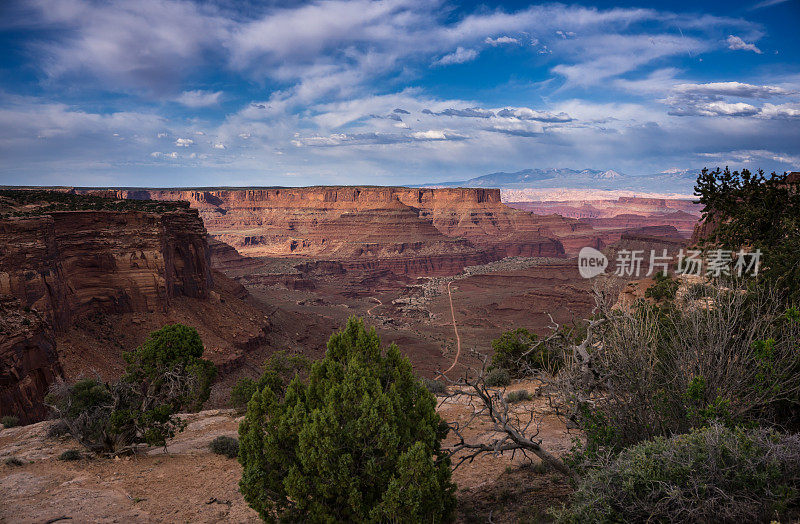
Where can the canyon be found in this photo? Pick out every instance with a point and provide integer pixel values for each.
(88, 273)
(409, 231)
(610, 217)
(64, 274)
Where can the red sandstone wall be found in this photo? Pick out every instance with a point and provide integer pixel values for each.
(405, 227)
(63, 266)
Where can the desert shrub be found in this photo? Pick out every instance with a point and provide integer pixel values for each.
(664, 287)
(9, 421)
(663, 370)
(13, 462)
(224, 445)
(520, 352)
(437, 387)
(57, 429)
(521, 395)
(497, 378)
(70, 455)
(164, 375)
(713, 474)
(242, 392)
(358, 440)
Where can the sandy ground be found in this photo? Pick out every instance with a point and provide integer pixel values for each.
(190, 484)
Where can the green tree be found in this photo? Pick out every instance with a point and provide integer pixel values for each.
(163, 376)
(752, 211)
(279, 368)
(358, 441)
(171, 369)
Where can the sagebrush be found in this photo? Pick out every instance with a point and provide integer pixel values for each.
(713, 474)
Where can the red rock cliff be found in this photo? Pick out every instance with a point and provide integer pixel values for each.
(63, 266)
(404, 229)
(69, 264)
(28, 362)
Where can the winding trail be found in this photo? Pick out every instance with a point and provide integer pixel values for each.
(379, 304)
(455, 328)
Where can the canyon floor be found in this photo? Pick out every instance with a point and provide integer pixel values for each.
(188, 483)
(415, 313)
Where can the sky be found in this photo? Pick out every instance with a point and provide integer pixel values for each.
(176, 93)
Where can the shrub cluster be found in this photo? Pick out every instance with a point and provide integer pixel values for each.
(358, 440)
(70, 455)
(664, 287)
(224, 445)
(437, 387)
(713, 474)
(53, 201)
(9, 421)
(281, 366)
(756, 212)
(497, 378)
(164, 375)
(521, 395)
(520, 352)
(666, 369)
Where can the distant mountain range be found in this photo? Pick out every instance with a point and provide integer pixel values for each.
(669, 181)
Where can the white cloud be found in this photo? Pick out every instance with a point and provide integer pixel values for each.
(735, 43)
(146, 44)
(731, 89)
(766, 3)
(658, 81)
(329, 58)
(334, 48)
(469, 112)
(602, 56)
(717, 108)
(788, 110)
(494, 42)
(158, 154)
(219, 146)
(750, 156)
(719, 99)
(431, 134)
(525, 113)
(459, 56)
(184, 142)
(376, 138)
(199, 98)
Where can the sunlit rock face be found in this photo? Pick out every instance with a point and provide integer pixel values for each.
(413, 231)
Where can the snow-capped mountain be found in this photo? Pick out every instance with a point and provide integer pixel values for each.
(674, 180)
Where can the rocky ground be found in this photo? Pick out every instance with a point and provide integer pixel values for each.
(187, 483)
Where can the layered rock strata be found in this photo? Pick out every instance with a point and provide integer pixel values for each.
(64, 266)
(426, 231)
(69, 264)
(28, 361)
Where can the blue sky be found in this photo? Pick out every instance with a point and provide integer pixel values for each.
(183, 93)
